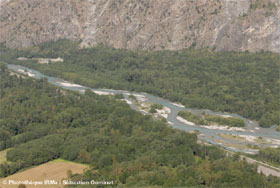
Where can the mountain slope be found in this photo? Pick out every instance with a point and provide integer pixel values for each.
(236, 25)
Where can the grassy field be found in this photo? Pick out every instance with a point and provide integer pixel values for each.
(54, 170)
(3, 156)
(232, 137)
(234, 145)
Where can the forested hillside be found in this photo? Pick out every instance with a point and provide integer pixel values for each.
(243, 83)
(41, 122)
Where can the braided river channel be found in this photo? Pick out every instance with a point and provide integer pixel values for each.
(234, 139)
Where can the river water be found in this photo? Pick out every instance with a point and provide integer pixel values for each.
(207, 134)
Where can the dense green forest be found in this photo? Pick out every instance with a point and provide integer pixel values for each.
(41, 122)
(238, 82)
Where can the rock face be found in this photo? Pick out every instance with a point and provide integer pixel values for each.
(234, 25)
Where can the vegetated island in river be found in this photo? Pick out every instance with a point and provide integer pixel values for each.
(209, 119)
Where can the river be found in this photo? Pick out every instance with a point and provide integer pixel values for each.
(207, 134)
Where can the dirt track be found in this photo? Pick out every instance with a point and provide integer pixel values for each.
(264, 168)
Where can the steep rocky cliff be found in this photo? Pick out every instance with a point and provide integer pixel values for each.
(144, 24)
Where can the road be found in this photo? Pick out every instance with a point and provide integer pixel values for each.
(262, 167)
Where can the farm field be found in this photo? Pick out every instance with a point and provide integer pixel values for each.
(54, 170)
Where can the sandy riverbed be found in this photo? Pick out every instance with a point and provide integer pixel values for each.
(67, 84)
(218, 127)
(253, 139)
(185, 121)
(164, 112)
(226, 116)
(102, 93)
(169, 122)
(140, 98)
(26, 72)
(127, 101)
(179, 105)
(138, 95)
